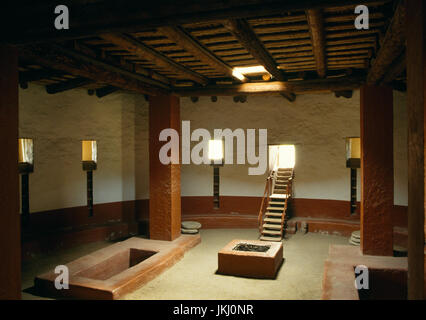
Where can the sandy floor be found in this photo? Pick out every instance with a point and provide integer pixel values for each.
(194, 277)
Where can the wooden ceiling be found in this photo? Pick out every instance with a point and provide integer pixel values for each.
(307, 46)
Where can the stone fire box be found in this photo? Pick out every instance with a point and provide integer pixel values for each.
(251, 258)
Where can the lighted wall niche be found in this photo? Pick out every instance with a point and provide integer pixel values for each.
(353, 161)
(25, 167)
(216, 156)
(89, 154)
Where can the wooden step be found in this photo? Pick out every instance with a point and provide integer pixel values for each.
(283, 178)
(280, 191)
(284, 174)
(278, 196)
(266, 238)
(272, 226)
(273, 220)
(280, 187)
(281, 183)
(277, 203)
(273, 214)
(275, 209)
(273, 232)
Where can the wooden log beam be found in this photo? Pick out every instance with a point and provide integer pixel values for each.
(392, 46)
(33, 22)
(248, 38)
(183, 39)
(416, 102)
(104, 91)
(67, 85)
(274, 87)
(397, 68)
(142, 51)
(38, 74)
(316, 30)
(78, 64)
(346, 94)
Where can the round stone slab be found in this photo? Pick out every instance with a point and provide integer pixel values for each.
(191, 225)
(355, 243)
(356, 234)
(188, 231)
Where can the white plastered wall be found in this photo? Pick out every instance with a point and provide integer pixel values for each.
(316, 124)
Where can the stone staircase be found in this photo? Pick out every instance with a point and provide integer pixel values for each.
(274, 218)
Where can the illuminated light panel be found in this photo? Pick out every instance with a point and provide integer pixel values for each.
(215, 149)
(25, 150)
(239, 72)
(89, 150)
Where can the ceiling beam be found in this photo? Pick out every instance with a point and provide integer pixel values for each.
(144, 52)
(104, 91)
(186, 41)
(68, 85)
(392, 46)
(275, 87)
(397, 68)
(249, 40)
(37, 75)
(78, 64)
(33, 22)
(316, 30)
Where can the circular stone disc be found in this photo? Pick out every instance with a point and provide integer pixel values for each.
(188, 231)
(399, 248)
(354, 242)
(191, 225)
(356, 234)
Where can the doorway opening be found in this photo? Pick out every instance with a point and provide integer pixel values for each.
(282, 156)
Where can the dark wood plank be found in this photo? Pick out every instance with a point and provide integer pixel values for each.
(274, 87)
(316, 30)
(67, 85)
(396, 70)
(392, 46)
(104, 91)
(33, 22)
(416, 84)
(10, 232)
(78, 64)
(183, 39)
(142, 51)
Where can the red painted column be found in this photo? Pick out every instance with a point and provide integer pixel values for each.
(10, 238)
(376, 170)
(416, 104)
(164, 180)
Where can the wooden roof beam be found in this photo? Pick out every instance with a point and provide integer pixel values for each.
(275, 87)
(183, 39)
(392, 46)
(32, 22)
(67, 85)
(37, 75)
(316, 30)
(104, 91)
(141, 50)
(396, 69)
(249, 40)
(78, 64)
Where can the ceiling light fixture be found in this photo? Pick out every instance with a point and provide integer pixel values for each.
(239, 72)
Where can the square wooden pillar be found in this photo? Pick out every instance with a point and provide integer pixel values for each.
(10, 237)
(164, 180)
(376, 170)
(416, 88)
